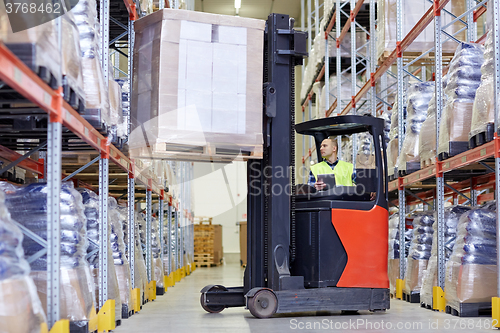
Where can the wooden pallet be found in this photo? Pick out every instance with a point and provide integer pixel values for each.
(427, 162)
(427, 60)
(203, 151)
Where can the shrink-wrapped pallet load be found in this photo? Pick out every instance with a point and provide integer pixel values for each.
(197, 86)
(97, 110)
(483, 113)
(471, 272)
(393, 145)
(71, 63)
(419, 96)
(91, 204)
(29, 205)
(451, 217)
(464, 77)
(121, 263)
(115, 112)
(413, 10)
(20, 307)
(419, 254)
(37, 47)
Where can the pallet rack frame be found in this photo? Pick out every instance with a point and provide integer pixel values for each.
(20, 78)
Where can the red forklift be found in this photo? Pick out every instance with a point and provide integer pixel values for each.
(308, 250)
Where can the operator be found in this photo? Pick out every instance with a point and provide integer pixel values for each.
(344, 171)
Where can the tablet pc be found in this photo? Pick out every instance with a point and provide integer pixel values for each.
(328, 179)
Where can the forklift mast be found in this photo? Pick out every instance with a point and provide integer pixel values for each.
(271, 180)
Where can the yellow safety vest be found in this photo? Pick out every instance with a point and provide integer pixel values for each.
(343, 172)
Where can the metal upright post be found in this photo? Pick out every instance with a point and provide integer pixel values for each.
(471, 25)
(131, 227)
(177, 247)
(316, 18)
(353, 56)
(401, 133)
(383, 87)
(161, 222)
(373, 59)
(149, 194)
(496, 47)
(104, 17)
(53, 168)
(103, 227)
(309, 29)
(131, 40)
(53, 163)
(339, 68)
(169, 238)
(327, 74)
(303, 28)
(353, 77)
(439, 176)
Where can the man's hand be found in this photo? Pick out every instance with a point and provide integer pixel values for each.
(320, 185)
(373, 195)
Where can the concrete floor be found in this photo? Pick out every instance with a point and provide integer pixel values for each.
(179, 310)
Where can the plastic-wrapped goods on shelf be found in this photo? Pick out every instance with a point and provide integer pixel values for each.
(392, 146)
(115, 110)
(122, 128)
(413, 10)
(464, 77)
(345, 45)
(346, 149)
(145, 7)
(91, 211)
(483, 113)
(121, 262)
(210, 103)
(20, 308)
(427, 136)
(37, 47)
(393, 260)
(471, 272)
(97, 109)
(419, 96)
(420, 252)
(141, 278)
(71, 63)
(387, 116)
(394, 250)
(156, 249)
(451, 217)
(29, 205)
(365, 158)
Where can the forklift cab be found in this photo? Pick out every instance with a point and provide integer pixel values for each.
(369, 163)
(342, 234)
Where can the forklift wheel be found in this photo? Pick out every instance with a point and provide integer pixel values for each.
(211, 308)
(263, 304)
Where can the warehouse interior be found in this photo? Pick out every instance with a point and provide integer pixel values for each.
(252, 165)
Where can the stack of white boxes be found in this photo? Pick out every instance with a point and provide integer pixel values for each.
(197, 86)
(212, 78)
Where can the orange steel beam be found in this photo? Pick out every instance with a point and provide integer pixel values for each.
(27, 164)
(478, 12)
(410, 37)
(330, 26)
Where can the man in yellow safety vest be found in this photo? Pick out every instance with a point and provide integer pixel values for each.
(343, 171)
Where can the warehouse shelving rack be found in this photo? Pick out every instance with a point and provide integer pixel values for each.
(359, 64)
(63, 120)
(469, 173)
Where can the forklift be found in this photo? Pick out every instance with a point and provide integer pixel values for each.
(308, 250)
